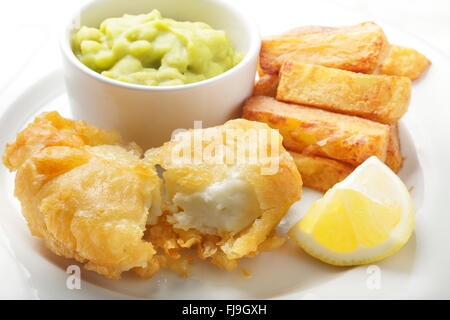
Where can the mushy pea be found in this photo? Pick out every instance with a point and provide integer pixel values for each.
(150, 50)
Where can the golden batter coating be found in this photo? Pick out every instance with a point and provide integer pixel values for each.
(86, 195)
(274, 191)
(95, 200)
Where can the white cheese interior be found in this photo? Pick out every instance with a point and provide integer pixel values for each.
(226, 206)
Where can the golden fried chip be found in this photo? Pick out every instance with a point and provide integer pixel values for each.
(320, 173)
(266, 86)
(359, 48)
(380, 98)
(404, 62)
(394, 158)
(317, 132)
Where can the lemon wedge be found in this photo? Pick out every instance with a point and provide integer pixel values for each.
(364, 218)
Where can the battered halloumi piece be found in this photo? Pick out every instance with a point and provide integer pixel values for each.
(223, 200)
(380, 98)
(320, 173)
(85, 194)
(322, 133)
(405, 62)
(359, 48)
(97, 201)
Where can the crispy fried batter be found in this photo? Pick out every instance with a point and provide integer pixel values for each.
(88, 198)
(274, 192)
(50, 129)
(97, 201)
(376, 97)
(359, 48)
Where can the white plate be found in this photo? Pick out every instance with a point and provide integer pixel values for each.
(419, 270)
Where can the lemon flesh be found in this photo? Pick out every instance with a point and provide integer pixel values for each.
(360, 220)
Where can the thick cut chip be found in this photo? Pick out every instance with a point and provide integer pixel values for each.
(400, 61)
(266, 86)
(405, 62)
(318, 132)
(320, 173)
(380, 98)
(359, 48)
(394, 158)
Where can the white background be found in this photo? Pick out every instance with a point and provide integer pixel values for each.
(29, 32)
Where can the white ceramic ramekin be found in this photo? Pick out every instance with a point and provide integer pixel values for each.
(149, 115)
